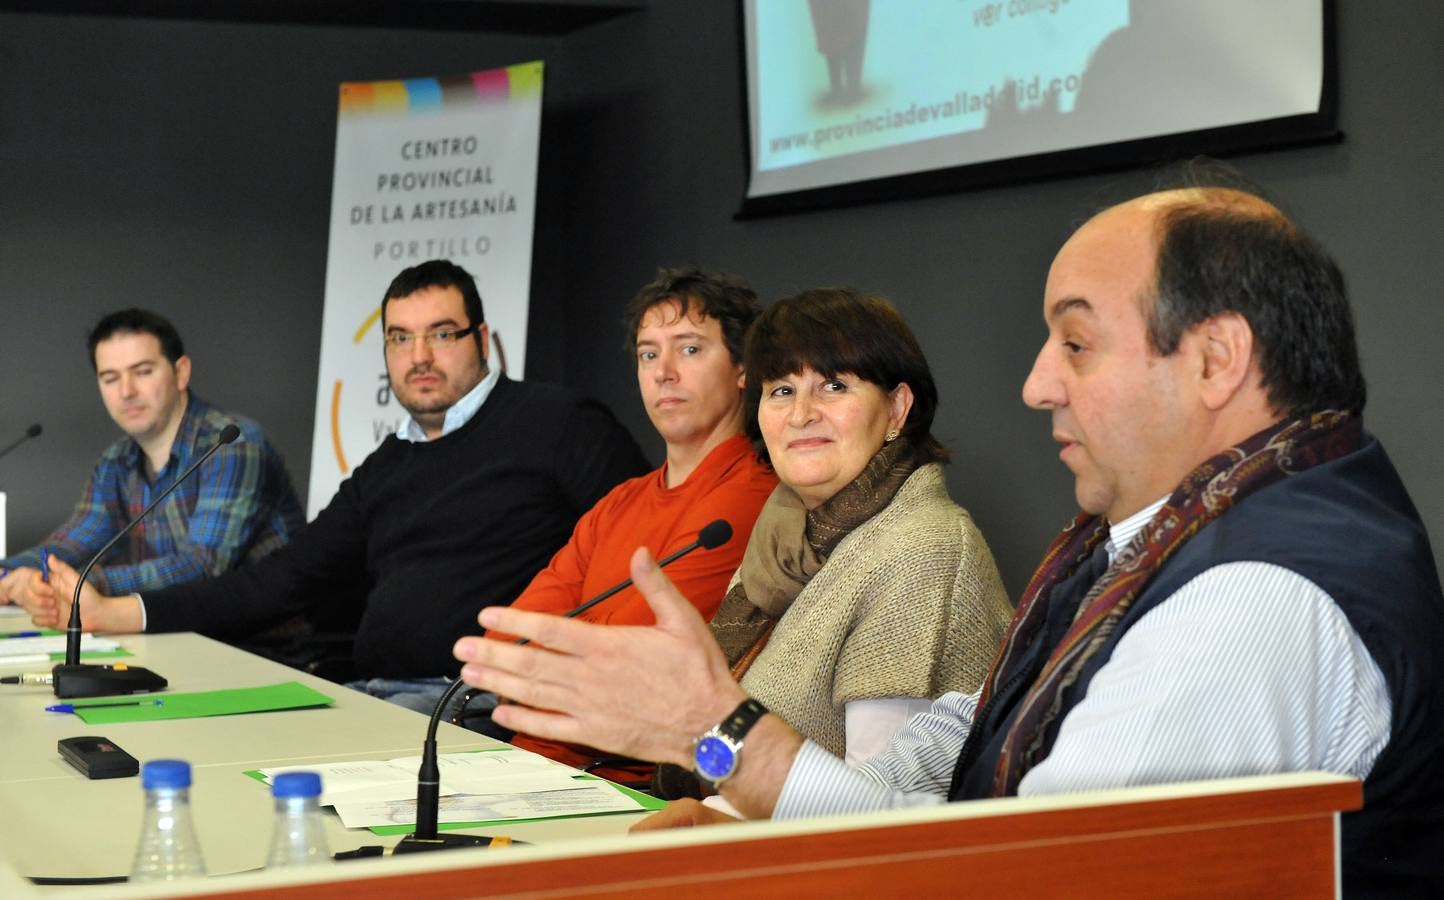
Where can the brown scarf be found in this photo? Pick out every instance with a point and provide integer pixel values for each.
(1209, 491)
(789, 544)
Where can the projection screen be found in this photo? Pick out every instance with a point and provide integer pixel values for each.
(845, 92)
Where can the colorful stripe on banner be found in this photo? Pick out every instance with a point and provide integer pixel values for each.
(422, 95)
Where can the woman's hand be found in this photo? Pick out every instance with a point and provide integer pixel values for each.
(687, 813)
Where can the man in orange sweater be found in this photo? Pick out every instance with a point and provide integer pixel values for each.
(687, 328)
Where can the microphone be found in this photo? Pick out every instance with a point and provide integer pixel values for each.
(32, 432)
(714, 535)
(428, 778)
(72, 679)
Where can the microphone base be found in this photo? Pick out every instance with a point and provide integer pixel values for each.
(82, 680)
(413, 844)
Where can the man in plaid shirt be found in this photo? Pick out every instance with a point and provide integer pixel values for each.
(237, 507)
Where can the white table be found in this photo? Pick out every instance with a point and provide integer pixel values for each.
(1265, 836)
(55, 822)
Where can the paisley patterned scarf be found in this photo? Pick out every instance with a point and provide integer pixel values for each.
(1209, 491)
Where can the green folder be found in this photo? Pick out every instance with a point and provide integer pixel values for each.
(236, 701)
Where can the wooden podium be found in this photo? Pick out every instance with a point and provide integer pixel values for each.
(1262, 836)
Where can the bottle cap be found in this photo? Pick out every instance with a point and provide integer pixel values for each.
(165, 773)
(296, 784)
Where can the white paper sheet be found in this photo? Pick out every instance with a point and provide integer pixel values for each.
(54, 643)
(582, 798)
(490, 772)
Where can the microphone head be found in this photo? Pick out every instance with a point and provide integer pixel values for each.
(34, 430)
(715, 534)
(228, 434)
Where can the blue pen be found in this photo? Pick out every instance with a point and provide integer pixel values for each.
(71, 707)
(21, 634)
(45, 564)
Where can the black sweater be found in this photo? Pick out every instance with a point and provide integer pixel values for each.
(436, 530)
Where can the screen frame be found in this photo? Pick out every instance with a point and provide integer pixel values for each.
(1319, 127)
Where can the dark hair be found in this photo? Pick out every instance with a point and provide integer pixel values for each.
(718, 295)
(137, 321)
(1230, 251)
(840, 330)
(434, 273)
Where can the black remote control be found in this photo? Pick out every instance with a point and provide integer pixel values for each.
(98, 757)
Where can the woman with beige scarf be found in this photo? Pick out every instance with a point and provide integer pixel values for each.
(865, 591)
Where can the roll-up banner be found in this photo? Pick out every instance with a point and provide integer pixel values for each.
(426, 168)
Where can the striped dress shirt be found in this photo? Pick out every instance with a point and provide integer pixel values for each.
(1247, 669)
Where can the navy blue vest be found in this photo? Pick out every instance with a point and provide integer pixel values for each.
(1350, 528)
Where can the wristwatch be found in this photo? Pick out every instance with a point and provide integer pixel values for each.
(715, 754)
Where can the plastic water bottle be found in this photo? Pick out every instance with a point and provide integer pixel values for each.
(168, 847)
(299, 835)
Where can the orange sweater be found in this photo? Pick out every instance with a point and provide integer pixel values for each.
(729, 484)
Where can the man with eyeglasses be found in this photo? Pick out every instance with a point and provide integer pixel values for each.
(237, 508)
(459, 509)
(1247, 589)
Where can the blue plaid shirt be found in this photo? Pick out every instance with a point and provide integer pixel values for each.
(237, 507)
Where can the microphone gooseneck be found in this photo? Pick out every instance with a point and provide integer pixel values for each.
(34, 431)
(72, 628)
(428, 776)
(713, 535)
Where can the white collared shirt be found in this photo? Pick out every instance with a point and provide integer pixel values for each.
(1121, 534)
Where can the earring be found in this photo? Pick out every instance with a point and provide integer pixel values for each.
(890, 437)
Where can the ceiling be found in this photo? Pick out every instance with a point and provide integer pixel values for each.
(538, 17)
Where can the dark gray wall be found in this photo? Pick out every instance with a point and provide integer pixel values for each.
(657, 167)
(185, 168)
(188, 167)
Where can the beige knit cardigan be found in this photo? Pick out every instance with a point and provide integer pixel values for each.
(910, 605)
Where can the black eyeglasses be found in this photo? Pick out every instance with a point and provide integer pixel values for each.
(437, 337)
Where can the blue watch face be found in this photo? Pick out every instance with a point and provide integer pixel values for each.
(714, 758)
